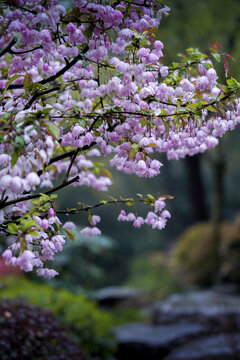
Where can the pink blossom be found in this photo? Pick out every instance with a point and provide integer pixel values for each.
(33, 179)
(90, 231)
(164, 71)
(69, 225)
(138, 222)
(47, 273)
(51, 212)
(131, 217)
(95, 220)
(159, 205)
(16, 184)
(26, 261)
(122, 216)
(45, 224)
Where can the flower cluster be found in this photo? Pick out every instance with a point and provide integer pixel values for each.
(90, 82)
(156, 219)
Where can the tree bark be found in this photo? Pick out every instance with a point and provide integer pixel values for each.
(196, 188)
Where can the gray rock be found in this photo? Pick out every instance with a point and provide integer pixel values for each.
(218, 312)
(217, 347)
(117, 295)
(145, 342)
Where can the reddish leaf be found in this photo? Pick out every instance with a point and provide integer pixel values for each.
(228, 55)
(226, 65)
(216, 45)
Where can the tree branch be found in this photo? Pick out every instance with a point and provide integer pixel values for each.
(38, 94)
(65, 155)
(71, 164)
(24, 51)
(59, 73)
(8, 47)
(35, 196)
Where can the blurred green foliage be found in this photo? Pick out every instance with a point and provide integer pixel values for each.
(78, 266)
(195, 255)
(201, 261)
(152, 272)
(90, 326)
(198, 23)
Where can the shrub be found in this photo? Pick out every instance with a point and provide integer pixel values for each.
(195, 255)
(89, 325)
(29, 332)
(153, 273)
(200, 260)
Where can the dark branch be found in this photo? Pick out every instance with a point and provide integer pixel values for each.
(66, 155)
(35, 196)
(38, 94)
(59, 73)
(24, 51)
(8, 47)
(71, 164)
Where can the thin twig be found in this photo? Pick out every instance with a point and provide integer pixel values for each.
(38, 94)
(71, 164)
(64, 156)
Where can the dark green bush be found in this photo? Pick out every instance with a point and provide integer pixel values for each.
(29, 332)
(195, 256)
(200, 259)
(89, 325)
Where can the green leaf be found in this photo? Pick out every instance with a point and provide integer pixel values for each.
(130, 202)
(19, 141)
(89, 217)
(182, 72)
(211, 108)
(53, 196)
(33, 233)
(27, 224)
(150, 197)
(53, 130)
(82, 122)
(89, 31)
(27, 82)
(97, 124)
(175, 65)
(131, 154)
(106, 173)
(233, 84)
(207, 65)
(143, 122)
(12, 228)
(217, 57)
(14, 77)
(15, 156)
(76, 108)
(70, 234)
(163, 112)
